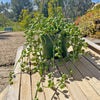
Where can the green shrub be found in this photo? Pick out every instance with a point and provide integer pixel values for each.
(25, 18)
(86, 22)
(5, 22)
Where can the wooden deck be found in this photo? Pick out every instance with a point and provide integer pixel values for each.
(83, 85)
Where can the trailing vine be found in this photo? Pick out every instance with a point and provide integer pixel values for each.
(61, 36)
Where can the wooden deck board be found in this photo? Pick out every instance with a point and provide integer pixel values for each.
(84, 85)
(94, 60)
(93, 81)
(92, 44)
(49, 93)
(63, 93)
(25, 92)
(36, 78)
(13, 91)
(73, 88)
(91, 68)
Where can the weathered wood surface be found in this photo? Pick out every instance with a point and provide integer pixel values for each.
(3, 32)
(3, 95)
(84, 84)
(34, 79)
(93, 58)
(14, 90)
(25, 89)
(92, 44)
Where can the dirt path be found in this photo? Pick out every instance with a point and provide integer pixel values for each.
(9, 43)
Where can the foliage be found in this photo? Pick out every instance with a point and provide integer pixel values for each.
(56, 27)
(4, 21)
(86, 24)
(4, 7)
(97, 6)
(70, 8)
(44, 7)
(53, 8)
(74, 9)
(18, 5)
(17, 27)
(25, 18)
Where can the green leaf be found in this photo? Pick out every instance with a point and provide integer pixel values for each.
(41, 68)
(38, 84)
(64, 76)
(41, 79)
(62, 86)
(68, 45)
(10, 79)
(70, 71)
(33, 59)
(11, 82)
(46, 68)
(52, 84)
(34, 54)
(50, 75)
(19, 60)
(22, 65)
(85, 44)
(35, 64)
(27, 69)
(36, 99)
(10, 74)
(35, 70)
(57, 54)
(40, 72)
(39, 89)
(62, 80)
(23, 69)
(66, 59)
(49, 85)
(49, 81)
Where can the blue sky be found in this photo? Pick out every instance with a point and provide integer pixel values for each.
(95, 0)
(5, 0)
(10, 0)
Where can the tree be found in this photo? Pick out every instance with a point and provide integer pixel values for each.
(18, 5)
(54, 8)
(71, 8)
(75, 8)
(4, 7)
(42, 6)
(4, 21)
(25, 18)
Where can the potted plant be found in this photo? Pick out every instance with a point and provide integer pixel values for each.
(48, 39)
(57, 36)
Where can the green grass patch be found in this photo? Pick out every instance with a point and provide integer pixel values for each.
(15, 26)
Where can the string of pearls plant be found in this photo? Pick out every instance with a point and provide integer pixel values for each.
(55, 30)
